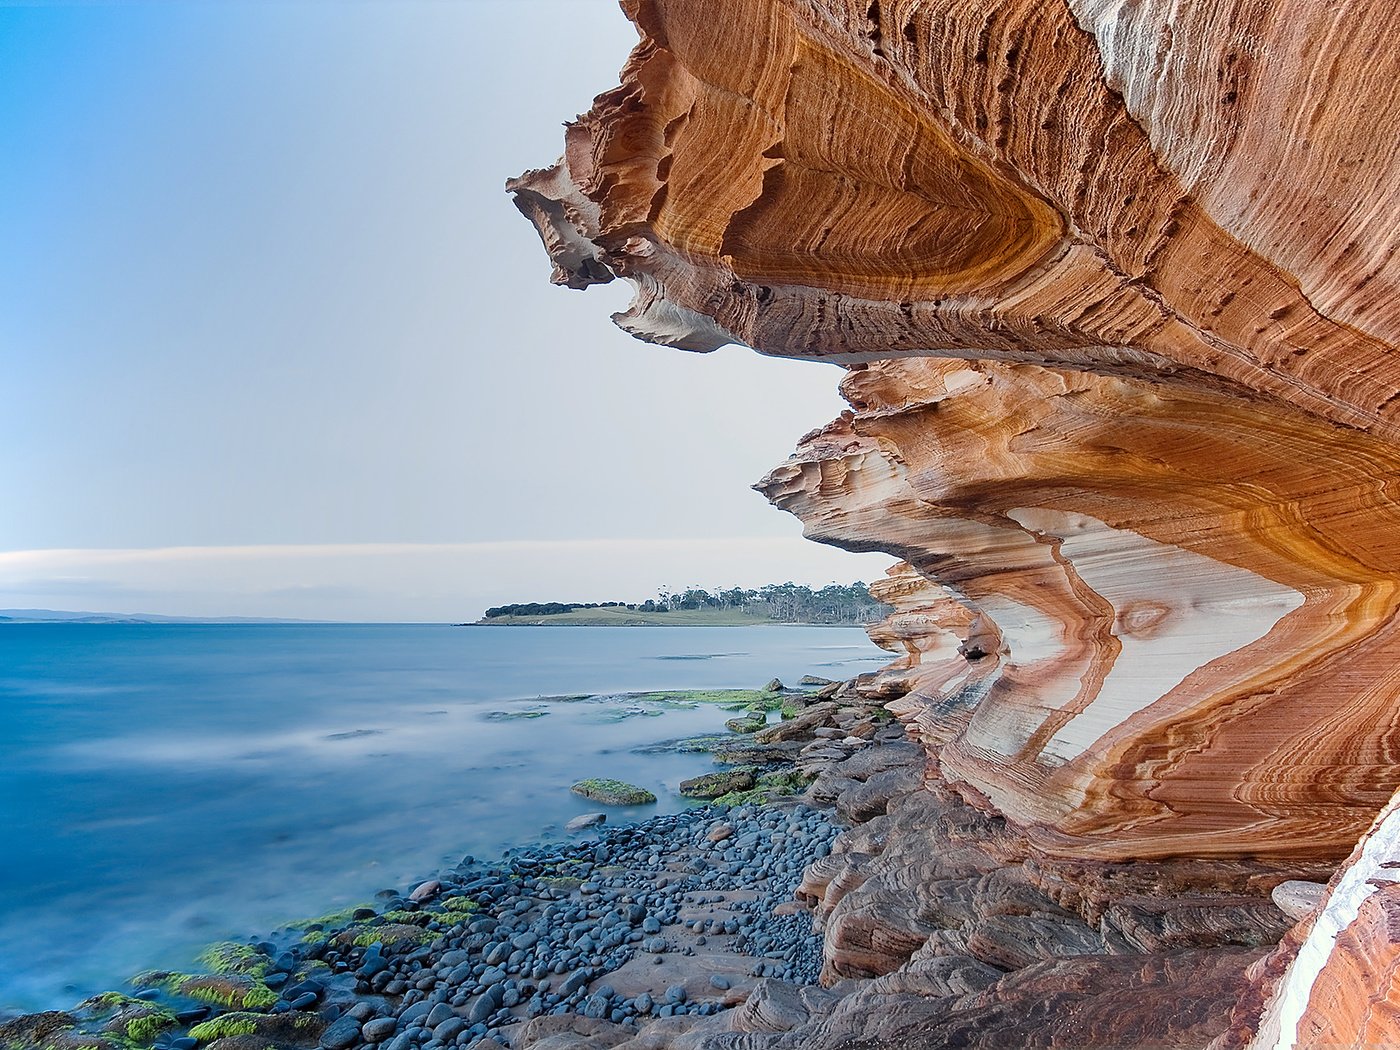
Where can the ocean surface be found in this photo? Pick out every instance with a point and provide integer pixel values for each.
(166, 786)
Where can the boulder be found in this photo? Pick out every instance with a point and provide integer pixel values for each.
(613, 792)
(585, 820)
(713, 785)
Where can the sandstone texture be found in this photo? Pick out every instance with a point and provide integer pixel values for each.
(1342, 960)
(1113, 285)
(941, 928)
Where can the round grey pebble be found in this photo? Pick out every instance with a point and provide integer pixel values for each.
(379, 1029)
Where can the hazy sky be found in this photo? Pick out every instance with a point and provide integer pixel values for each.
(275, 342)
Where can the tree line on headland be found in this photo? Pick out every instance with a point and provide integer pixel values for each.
(781, 602)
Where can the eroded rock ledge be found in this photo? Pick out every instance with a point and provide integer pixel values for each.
(1115, 285)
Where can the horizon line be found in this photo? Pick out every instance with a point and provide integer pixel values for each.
(176, 552)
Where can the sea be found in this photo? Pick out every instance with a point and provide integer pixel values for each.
(166, 786)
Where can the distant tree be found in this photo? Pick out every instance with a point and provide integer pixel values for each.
(532, 609)
(786, 602)
(737, 597)
(695, 598)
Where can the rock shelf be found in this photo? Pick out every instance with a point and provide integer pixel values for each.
(1114, 286)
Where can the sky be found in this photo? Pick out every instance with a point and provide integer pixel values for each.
(275, 342)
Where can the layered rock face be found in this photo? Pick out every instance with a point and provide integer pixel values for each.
(1115, 286)
(1153, 622)
(1332, 981)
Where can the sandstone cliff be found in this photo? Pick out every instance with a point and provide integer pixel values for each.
(1115, 286)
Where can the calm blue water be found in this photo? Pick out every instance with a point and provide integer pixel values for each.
(166, 786)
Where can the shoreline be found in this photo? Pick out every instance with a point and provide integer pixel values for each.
(667, 917)
(878, 908)
(396, 750)
(701, 890)
(549, 621)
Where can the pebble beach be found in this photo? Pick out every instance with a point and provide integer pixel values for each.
(630, 926)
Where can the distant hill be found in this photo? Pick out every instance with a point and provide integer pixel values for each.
(834, 604)
(59, 616)
(621, 616)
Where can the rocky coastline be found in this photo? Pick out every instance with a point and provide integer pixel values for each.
(878, 906)
(679, 916)
(1122, 384)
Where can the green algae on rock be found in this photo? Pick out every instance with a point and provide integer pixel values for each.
(230, 957)
(613, 792)
(689, 745)
(780, 783)
(752, 724)
(332, 919)
(406, 918)
(142, 1024)
(391, 935)
(713, 785)
(459, 904)
(513, 716)
(35, 1029)
(285, 1026)
(755, 701)
(231, 991)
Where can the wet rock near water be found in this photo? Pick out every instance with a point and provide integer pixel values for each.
(662, 919)
(717, 928)
(656, 924)
(613, 792)
(713, 785)
(586, 820)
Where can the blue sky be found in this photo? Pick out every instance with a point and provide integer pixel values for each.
(275, 342)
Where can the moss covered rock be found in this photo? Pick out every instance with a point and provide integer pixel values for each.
(75, 1039)
(458, 906)
(269, 1028)
(229, 957)
(713, 785)
(35, 1029)
(389, 934)
(243, 1042)
(751, 724)
(231, 991)
(752, 700)
(613, 792)
(743, 751)
(139, 1022)
(781, 783)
